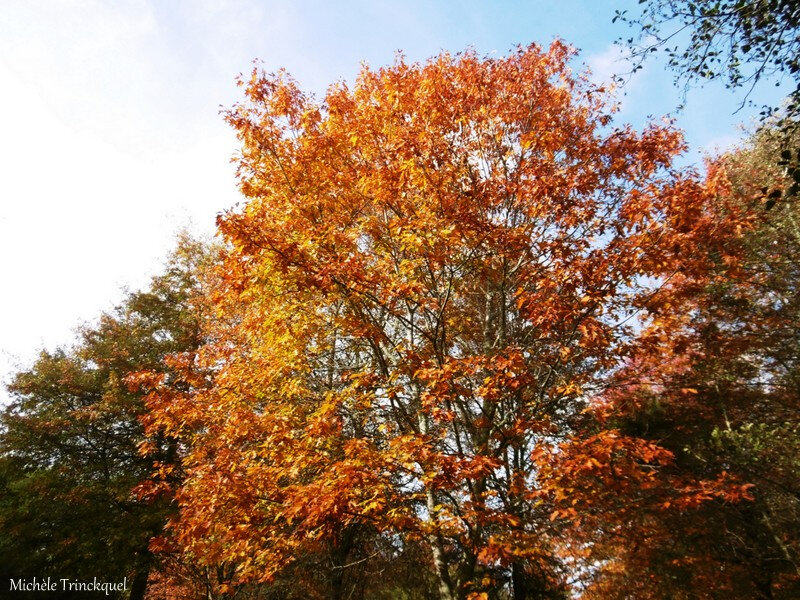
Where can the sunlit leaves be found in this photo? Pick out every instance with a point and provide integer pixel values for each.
(434, 270)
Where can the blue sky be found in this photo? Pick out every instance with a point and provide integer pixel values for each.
(111, 139)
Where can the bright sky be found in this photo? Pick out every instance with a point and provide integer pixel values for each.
(111, 138)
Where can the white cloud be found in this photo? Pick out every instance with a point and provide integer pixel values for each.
(721, 144)
(110, 142)
(605, 65)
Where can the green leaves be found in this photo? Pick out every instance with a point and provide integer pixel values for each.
(69, 445)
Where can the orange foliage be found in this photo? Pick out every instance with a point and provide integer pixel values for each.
(433, 271)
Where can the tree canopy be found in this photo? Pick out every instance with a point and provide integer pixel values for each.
(435, 275)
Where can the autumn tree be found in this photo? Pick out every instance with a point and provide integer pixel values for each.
(69, 443)
(433, 271)
(713, 388)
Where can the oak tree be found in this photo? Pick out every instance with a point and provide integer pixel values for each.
(433, 271)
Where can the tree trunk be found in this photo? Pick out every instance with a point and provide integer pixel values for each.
(439, 562)
(139, 583)
(518, 583)
(339, 554)
(435, 539)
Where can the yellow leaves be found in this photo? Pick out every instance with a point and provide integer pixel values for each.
(593, 461)
(569, 389)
